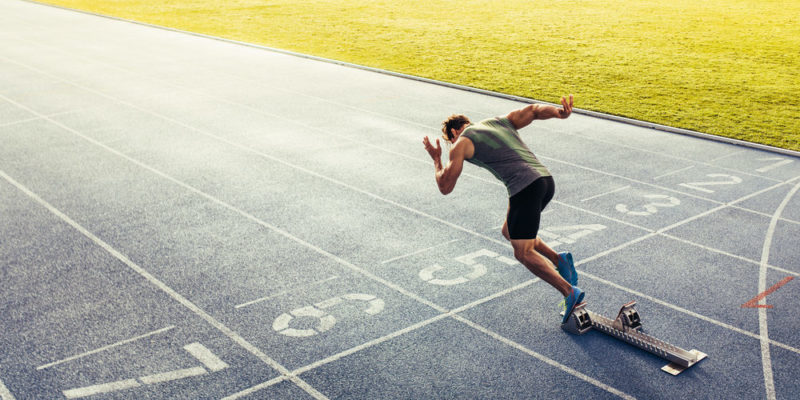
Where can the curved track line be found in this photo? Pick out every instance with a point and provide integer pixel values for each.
(766, 360)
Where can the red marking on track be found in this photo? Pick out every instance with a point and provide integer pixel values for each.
(753, 303)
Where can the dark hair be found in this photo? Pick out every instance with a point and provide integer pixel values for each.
(455, 121)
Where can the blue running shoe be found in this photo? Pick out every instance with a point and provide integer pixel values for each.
(574, 298)
(566, 268)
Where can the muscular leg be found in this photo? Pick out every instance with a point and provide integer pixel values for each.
(526, 253)
(540, 246)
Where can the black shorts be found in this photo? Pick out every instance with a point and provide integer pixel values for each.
(525, 208)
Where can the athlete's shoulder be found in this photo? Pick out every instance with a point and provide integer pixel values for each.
(496, 123)
(463, 147)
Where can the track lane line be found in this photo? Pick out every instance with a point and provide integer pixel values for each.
(343, 137)
(104, 348)
(466, 230)
(235, 337)
(766, 358)
(5, 394)
(544, 359)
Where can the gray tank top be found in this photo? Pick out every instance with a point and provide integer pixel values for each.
(499, 149)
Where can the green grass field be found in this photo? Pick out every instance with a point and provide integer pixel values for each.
(724, 67)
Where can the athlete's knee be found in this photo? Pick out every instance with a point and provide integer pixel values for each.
(523, 254)
(519, 254)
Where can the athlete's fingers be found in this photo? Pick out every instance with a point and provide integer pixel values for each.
(567, 106)
(427, 143)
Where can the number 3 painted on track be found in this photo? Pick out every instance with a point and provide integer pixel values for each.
(652, 207)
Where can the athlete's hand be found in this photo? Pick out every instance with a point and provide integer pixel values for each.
(567, 108)
(434, 152)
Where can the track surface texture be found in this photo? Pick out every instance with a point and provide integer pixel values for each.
(188, 218)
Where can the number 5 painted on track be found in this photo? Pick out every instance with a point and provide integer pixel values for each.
(326, 321)
(478, 270)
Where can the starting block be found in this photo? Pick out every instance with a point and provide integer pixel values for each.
(628, 328)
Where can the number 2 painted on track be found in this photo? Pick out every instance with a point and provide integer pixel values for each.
(702, 186)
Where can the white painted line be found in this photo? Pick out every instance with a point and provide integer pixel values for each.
(102, 388)
(19, 122)
(673, 172)
(766, 359)
(299, 123)
(413, 327)
(255, 219)
(675, 157)
(369, 344)
(614, 249)
(173, 375)
(251, 390)
(494, 296)
(544, 359)
(780, 163)
(5, 394)
(259, 300)
(524, 100)
(606, 193)
(238, 339)
(687, 312)
(229, 142)
(382, 339)
(664, 188)
(418, 251)
(209, 359)
(406, 207)
(731, 255)
(371, 195)
(605, 217)
(37, 118)
(731, 154)
(426, 161)
(104, 348)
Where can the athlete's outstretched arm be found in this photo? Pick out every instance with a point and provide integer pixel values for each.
(524, 116)
(446, 176)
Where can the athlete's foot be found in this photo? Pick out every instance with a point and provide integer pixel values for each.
(566, 268)
(574, 298)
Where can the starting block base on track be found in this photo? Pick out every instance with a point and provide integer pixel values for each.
(628, 328)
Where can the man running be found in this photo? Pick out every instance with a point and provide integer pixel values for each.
(495, 144)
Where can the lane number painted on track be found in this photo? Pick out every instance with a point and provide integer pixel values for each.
(478, 270)
(657, 201)
(719, 179)
(557, 235)
(210, 363)
(325, 321)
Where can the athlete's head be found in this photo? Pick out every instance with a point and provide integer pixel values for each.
(452, 126)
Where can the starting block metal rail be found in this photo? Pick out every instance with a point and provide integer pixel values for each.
(628, 328)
